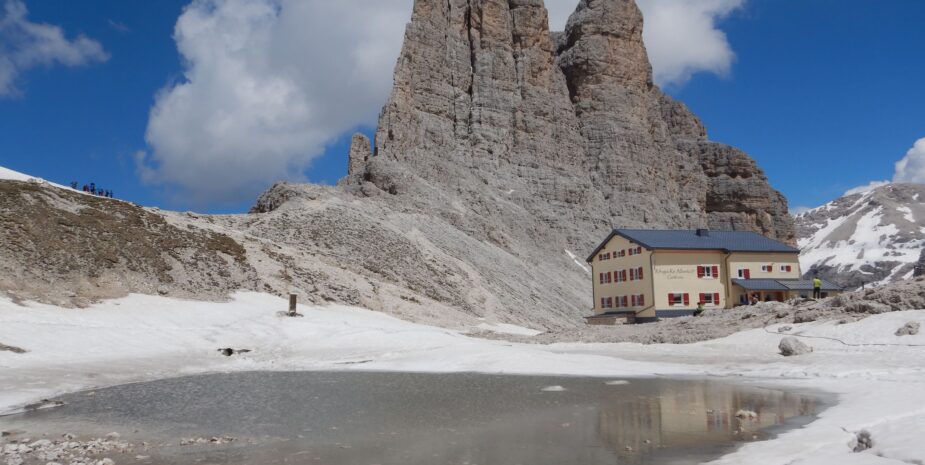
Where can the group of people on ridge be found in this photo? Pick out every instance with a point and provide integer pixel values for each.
(92, 189)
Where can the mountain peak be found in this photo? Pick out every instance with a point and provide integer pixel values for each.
(875, 236)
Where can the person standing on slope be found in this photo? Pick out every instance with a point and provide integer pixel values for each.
(817, 287)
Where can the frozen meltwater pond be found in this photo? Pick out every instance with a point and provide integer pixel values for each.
(356, 418)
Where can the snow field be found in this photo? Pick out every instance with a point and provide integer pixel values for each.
(879, 387)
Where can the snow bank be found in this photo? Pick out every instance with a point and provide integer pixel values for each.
(10, 175)
(879, 377)
(504, 328)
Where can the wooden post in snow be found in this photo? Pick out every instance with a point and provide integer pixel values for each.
(292, 305)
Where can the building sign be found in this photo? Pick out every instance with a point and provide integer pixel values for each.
(672, 273)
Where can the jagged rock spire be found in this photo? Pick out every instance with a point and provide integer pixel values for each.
(485, 98)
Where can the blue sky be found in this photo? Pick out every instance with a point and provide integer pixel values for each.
(825, 94)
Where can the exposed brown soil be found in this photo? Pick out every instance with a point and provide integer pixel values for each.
(69, 248)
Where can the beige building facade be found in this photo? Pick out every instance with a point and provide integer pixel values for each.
(644, 275)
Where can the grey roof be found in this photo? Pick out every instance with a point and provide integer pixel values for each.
(759, 284)
(783, 285)
(726, 241)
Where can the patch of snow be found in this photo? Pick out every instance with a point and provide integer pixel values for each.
(578, 262)
(140, 338)
(907, 213)
(504, 328)
(619, 382)
(553, 389)
(870, 242)
(10, 175)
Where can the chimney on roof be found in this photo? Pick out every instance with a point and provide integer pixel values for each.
(703, 232)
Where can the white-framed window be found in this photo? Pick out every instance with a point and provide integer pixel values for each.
(636, 274)
(786, 268)
(709, 299)
(767, 268)
(707, 271)
(744, 273)
(678, 299)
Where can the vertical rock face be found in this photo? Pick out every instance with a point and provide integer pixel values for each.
(634, 159)
(360, 151)
(572, 124)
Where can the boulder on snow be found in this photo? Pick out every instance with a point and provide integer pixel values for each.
(909, 329)
(863, 441)
(13, 349)
(790, 346)
(867, 306)
(228, 351)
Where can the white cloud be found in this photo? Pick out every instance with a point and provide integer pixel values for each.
(912, 167)
(681, 36)
(866, 188)
(268, 83)
(25, 45)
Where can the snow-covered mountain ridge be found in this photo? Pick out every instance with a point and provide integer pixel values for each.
(871, 237)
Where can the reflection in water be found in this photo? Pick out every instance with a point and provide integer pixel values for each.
(693, 415)
(380, 418)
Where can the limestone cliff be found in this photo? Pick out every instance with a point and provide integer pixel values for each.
(486, 100)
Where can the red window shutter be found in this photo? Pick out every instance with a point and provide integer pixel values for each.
(700, 272)
(670, 299)
(789, 268)
(716, 298)
(642, 300)
(687, 299)
(703, 298)
(602, 278)
(640, 272)
(716, 272)
(748, 274)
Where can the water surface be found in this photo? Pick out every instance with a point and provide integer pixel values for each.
(349, 418)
